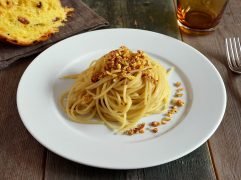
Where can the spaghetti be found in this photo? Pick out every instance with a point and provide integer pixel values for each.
(119, 88)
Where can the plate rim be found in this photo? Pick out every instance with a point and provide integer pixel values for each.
(116, 167)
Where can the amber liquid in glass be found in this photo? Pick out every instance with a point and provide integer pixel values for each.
(200, 14)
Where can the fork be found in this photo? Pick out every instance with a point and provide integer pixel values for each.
(233, 51)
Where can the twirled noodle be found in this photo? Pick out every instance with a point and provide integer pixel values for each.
(119, 88)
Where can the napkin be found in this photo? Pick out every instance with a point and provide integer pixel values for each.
(83, 19)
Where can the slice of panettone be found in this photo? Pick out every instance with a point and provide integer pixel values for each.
(26, 22)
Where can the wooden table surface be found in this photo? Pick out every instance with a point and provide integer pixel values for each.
(22, 157)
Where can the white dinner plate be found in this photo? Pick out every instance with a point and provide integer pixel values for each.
(95, 145)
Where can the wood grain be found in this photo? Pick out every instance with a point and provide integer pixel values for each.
(225, 144)
(21, 157)
(156, 16)
(193, 166)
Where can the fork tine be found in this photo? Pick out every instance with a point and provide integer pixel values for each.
(237, 61)
(239, 51)
(228, 54)
(232, 43)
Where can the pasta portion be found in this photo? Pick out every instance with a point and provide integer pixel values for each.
(118, 90)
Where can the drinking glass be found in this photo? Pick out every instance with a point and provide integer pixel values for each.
(200, 15)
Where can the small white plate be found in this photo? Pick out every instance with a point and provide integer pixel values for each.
(95, 145)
